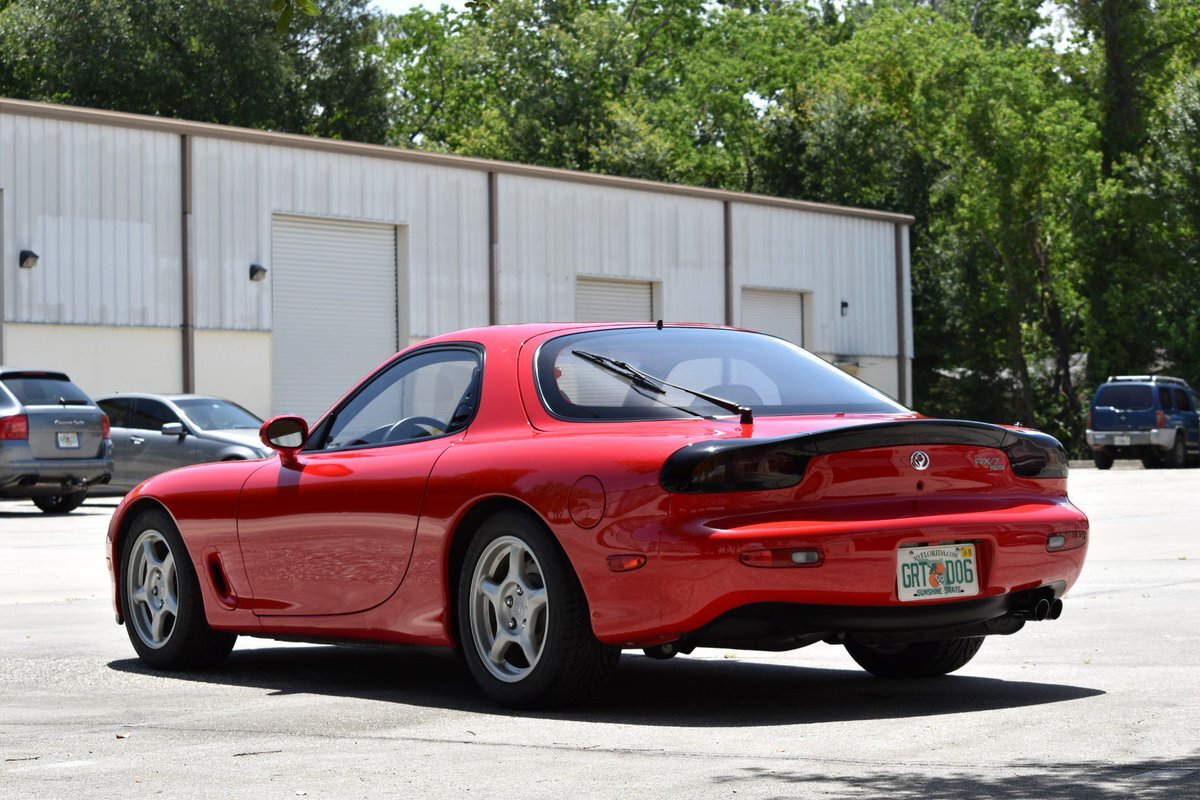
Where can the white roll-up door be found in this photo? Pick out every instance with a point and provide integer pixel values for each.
(334, 301)
(598, 300)
(779, 313)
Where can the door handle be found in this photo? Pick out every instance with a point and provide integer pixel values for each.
(136, 439)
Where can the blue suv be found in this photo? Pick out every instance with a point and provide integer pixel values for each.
(1151, 417)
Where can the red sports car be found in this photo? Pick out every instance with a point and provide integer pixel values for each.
(542, 496)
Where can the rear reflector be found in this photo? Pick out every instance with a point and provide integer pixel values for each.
(15, 427)
(1066, 541)
(626, 562)
(783, 557)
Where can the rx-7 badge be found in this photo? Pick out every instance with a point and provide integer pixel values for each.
(992, 463)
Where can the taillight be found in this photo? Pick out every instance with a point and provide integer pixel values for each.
(15, 427)
(1066, 541)
(1160, 419)
(766, 466)
(782, 557)
(1089, 419)
(105, 426)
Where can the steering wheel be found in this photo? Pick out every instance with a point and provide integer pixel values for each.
(414, 428)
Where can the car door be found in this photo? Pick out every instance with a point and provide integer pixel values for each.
(333, 533)
(118, 410)
(150, 450)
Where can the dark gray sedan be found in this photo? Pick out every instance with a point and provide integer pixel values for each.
(153, 433)
(53, 440)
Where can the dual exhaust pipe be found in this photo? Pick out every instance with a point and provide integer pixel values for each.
(1042, 609)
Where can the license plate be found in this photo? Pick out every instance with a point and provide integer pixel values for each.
(1121, 441)
(949, 570)
(68, 440)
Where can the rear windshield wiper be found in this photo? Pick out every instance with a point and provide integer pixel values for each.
(655, 384)
(62, 401)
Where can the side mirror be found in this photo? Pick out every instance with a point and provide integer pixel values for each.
(285, 435)
(174, 429)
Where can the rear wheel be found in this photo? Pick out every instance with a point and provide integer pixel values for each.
(915, 659)
(1103, 459)
(523, 620)
(160, 599)
(1176, 457)
(60, 503)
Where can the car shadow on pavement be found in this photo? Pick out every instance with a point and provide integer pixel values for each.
(681, 692)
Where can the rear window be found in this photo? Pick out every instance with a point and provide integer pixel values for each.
(770, 375)
(44, 390)
(1132, 397)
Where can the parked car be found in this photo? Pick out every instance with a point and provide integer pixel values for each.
(153, 433)
(1149, 417)
(54, 441)
(542, 496)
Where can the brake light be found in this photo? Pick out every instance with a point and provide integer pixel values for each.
(15, 427)
(1160, 419)
(105, 426)
(1089, 419)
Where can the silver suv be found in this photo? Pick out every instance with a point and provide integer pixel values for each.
(54, 441)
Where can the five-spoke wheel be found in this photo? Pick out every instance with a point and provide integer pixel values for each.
(160, 598)
(523, 620)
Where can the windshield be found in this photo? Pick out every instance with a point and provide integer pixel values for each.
(771, 376)
(1125, 396)
(44, 390)
(210, 414)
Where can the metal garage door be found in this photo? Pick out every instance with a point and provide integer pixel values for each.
(334, 308)
(778, 313)
(613, 301)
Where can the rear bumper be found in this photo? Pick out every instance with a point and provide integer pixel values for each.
(1158, 437)
(853, 589)
(44, 477)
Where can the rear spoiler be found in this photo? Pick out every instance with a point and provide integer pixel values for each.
(730, 465)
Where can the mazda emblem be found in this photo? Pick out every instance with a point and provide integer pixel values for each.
(919, 460)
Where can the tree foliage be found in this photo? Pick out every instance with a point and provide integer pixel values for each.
(1055, 181)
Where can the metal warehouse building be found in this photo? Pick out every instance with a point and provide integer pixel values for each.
(276, 269)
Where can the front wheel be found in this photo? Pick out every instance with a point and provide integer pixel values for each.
(160, 598)
(60, 503)
(523, 620)
(914, 659)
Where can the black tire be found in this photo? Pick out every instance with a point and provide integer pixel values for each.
(1103, 459)
(1176, 457)
(60, 503)
(915, 659)
(186, 640)
(571, 663)
(662, 652)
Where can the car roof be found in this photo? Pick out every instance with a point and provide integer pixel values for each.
(46, 373)
(173, 398)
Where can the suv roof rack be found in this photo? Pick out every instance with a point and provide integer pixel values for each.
(1148, 379)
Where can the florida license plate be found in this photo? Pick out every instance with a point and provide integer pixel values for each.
(1121, 441)
(68, 440)
(949, 570)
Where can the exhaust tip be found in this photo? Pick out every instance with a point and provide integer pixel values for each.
(1056, 609)
(1041, 610)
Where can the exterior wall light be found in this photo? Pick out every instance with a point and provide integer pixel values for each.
(28, 259)
(845, 309)
(258, 272)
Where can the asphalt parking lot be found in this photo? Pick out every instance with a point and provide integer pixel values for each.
(1104, 703)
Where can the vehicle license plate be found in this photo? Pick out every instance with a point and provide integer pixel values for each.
(1121, 440)
(944, 570)
(68, 440)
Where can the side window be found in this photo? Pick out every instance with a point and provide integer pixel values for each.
(1164, 398)
(428, 394)
(1182, 401)
(117, 410)
(151, 415)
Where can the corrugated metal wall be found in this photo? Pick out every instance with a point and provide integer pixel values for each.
(237, 186)
(551, 231)
(102, 207)
(835, 258)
